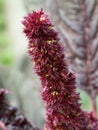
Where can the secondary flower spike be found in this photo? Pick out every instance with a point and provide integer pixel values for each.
(63, 110)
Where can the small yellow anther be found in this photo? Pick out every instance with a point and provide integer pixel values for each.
(31, 49)
(51, 66)
(67, 116)
(54, 93)
(48, 42)
(78, 114)
(46, 75)
(42, 18)
(45, 51)
(51, 41)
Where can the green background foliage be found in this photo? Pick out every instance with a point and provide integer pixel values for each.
(5, 55)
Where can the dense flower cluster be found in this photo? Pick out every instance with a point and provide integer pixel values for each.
(10, 117)
(58, 84)
(2, 92)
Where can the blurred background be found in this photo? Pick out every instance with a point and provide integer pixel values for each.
(16, 70)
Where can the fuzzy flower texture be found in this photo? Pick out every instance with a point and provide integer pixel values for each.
(63, 110)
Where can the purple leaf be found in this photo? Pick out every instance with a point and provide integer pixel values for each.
(77, 22)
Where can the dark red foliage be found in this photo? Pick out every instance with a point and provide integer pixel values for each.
(10, 117)
(63, 110)
(77, 22)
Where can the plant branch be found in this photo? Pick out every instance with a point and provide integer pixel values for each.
(88, 49)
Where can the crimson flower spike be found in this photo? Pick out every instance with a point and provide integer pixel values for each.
(63, 110)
